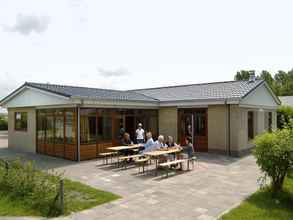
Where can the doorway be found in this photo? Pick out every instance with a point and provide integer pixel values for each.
(193, 123)
(130, 126)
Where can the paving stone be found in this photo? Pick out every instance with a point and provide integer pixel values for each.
(215, 185)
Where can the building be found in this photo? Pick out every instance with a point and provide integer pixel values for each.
(78, 123)
(286, 100)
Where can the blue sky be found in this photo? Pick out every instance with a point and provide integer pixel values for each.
(134, 44)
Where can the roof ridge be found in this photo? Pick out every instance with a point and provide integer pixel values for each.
(80, 87)
(33, 84)
(192, 84)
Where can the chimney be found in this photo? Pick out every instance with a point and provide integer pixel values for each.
(251, 76)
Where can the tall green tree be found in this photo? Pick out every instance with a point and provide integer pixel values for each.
(242, 75)
(281, 82)
(265, 75)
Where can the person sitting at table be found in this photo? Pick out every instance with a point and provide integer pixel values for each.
(159, 144)
(170, 142)
(188, 148)
(126, 141)
(149, 145)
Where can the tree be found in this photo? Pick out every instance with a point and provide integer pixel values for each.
(242, 75)
(281, 83)
(273, 154)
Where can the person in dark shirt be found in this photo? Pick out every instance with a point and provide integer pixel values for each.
(188, 148)
(125, 141)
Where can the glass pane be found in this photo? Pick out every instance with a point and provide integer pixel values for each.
(88, 127)
(50, 128)
(20, 121)
(70, 126)
(59, 127)
(200, 124)
(250, 125)
(104, 125)
(41, 126)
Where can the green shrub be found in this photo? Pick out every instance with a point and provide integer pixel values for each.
(284, 115)
(3, 123)
(273, 152)
(39, 189)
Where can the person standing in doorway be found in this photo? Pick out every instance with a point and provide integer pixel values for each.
(140, 134)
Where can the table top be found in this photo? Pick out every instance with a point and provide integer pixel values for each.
(162, 152)
(119, 148)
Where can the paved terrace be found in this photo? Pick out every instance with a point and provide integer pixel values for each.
(216, 184)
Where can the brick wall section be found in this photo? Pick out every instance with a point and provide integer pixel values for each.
(168, 122)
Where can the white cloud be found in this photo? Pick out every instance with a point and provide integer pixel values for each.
(26, 24)
(113, 73)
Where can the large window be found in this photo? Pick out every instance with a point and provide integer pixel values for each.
(20, 120)
(56, 126)
(250, 126)
(88, 126)
(104, 125)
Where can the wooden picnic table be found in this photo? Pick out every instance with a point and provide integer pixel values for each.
(129, 147)
(157, 153)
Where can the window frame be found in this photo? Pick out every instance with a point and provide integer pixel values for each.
(23, 129)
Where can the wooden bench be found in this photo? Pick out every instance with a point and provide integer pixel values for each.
(126, 158)
(108, 155)
(170, 163)
(141, 163)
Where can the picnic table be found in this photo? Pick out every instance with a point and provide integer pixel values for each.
(121, 148)
(158, 153)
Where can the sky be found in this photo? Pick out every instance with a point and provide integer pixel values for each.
(141, 43)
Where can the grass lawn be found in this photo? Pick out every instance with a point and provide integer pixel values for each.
(261, 205)
(78, 197)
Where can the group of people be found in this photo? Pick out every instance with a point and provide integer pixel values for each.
(148, 144)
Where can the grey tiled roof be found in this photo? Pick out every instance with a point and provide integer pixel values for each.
(205, 91)
(286, 100)
(92, 93)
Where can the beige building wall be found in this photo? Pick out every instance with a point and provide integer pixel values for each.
(22, 140)
(217, 128)
(239, 127)
(168, 122)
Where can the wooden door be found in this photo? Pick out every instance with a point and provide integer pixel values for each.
(201, 130)
(193, 123)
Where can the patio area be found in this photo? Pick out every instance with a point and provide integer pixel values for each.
(216, 184)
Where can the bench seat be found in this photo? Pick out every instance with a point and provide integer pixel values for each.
(170, 163)
(173, 162)
(108, 154)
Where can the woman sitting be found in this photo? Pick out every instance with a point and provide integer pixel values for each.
(126, 141)
(188, 148)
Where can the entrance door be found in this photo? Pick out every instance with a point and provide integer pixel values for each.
(193, 124)
(200, 130)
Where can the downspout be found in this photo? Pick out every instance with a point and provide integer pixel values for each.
(78, 133)
(229, 129)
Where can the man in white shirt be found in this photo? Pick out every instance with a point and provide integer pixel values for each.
(139, 134)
